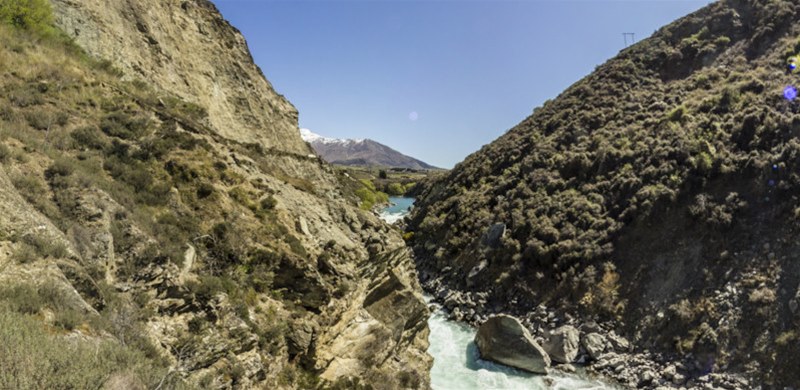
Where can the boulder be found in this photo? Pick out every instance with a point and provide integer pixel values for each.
(302, 227)
(300, 337)
(562, 344)
(595, 345)
(504, 340)
(494, 235)
(619, 343)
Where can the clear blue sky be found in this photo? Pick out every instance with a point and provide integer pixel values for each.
(434, 79)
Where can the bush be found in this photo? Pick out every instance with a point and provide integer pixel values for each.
(369, 196)
(269, 203)
(35, 15)
(678, 114)
(395, 189)
(34, 247)
(123, 125)
(204, 190)
(27, 299)
(23, 298)
(33, 358)
(61, 167)
(5, 153)
(90, 137)
(296, 246)
(45, 119)
(208, 286)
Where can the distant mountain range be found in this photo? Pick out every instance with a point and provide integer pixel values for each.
(360, 152)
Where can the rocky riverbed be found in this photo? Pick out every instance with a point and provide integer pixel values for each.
(600, 349)
(573, 344)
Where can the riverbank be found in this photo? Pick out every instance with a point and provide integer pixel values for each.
(612, 356)
(457, 363)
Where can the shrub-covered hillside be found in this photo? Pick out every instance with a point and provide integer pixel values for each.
(660, 193)
(140, 248)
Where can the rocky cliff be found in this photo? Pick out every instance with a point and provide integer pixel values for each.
(190, 50)
(163, 226)
(655, 199)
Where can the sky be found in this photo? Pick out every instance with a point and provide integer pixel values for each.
(435, 79)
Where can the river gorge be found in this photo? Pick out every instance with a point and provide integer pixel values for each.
(457, 364)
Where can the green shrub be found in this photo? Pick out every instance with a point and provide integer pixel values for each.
(368, 184)
(23, 298)
(206, 287)
(242, 196)
(34, 247)
(678, 114)
(24, 97)
(43, 119)
(395, 189)
(369, 196)
(68, 319)
(33, 358)
(296, 246)
(123, 125)
(27, 299)
(35, 15)
(60, 167)
(269, 203)
(24, 254)
(196, 325)
(90, 137)
(204, 190)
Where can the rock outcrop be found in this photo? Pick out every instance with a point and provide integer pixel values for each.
(187, 48)
(504, 340)
(562, 344)
(595, 345)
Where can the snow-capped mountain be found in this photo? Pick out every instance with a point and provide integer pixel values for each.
(360, 152)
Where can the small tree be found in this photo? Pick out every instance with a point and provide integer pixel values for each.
(382, 174)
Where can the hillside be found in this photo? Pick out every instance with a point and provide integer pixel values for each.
(360, 152)
(656, 197)
(163, 226)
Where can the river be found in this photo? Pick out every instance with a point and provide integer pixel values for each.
(456, 362)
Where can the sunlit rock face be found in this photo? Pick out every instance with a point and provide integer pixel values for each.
(189, 49)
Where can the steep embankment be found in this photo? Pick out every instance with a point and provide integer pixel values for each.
(657, 196)
(189, 49)
(162, 223)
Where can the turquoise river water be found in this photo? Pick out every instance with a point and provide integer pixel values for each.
(456, 362)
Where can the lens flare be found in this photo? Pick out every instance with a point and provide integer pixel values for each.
(790, 93)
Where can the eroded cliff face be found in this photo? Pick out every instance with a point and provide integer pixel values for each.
(190, 50)
(178, 212)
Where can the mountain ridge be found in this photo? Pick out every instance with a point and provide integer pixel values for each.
(360, 152)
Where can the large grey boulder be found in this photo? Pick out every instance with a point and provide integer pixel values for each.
(504, 340)
(595, 345)
(562, 344)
